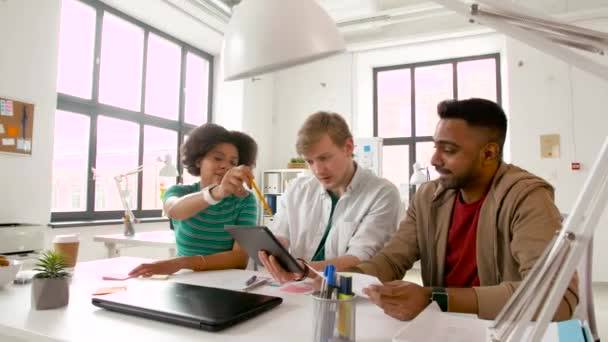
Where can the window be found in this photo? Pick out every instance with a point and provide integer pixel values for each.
(76, 196)
(162, 78)
(405, 106)
(121, 60)
(197, 84)
(70, 158)
(158, 143)
(76, 49)
(100, 196)
(126, 96)
(117, 150)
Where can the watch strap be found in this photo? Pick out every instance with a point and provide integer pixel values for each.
(440, 296)
(207, 195)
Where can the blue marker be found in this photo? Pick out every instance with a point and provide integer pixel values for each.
(330, 275)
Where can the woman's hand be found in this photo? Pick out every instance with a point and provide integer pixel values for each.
(160, 267)
(232, 183)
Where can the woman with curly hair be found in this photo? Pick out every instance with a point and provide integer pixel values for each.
(223, 160)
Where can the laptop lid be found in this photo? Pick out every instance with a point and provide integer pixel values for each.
(200, 307)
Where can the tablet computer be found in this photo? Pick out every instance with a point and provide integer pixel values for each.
(256, 238)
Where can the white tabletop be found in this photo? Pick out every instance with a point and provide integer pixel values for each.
(81, 321)
(162, 238)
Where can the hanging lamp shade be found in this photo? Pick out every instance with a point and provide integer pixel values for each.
(269, 35)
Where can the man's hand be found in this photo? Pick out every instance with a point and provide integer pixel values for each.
(160, 267)
(274, 268)
(399, 299)
(232, 183)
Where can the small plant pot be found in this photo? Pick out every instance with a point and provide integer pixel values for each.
(50, 293)
(297, 166)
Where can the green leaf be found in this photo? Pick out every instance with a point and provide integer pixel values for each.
(50, 265)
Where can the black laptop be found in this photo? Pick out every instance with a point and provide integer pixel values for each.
(200, 307)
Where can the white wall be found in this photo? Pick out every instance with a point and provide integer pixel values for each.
(259, 117)
(550, 97)
(303, 90)
(28, 65)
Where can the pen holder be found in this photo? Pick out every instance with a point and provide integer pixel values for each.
(333, 319)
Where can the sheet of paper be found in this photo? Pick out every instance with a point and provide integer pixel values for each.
(434, 325)
(8, 142)
(361, 281)
(6, 107)
(2, 130)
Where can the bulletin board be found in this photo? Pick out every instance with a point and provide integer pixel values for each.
(16, 126)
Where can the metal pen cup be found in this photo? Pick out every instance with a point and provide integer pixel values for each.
(333, 319)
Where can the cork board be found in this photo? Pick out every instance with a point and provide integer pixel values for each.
(16, 126)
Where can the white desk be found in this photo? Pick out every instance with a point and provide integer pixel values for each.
(161, 238)
(81, 321)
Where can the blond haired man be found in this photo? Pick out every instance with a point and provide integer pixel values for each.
(344, 214)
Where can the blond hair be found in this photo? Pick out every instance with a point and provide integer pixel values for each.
(321, 123)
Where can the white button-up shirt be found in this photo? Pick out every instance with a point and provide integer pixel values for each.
(364, 218)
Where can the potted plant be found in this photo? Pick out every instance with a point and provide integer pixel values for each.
(297, 163)
(50, 288)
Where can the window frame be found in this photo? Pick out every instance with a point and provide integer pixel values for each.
(414, 139)
(93, 108)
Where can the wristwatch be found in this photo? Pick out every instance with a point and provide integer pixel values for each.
(440, 295)
(206, 191)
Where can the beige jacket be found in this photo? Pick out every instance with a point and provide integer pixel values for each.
(517, 221)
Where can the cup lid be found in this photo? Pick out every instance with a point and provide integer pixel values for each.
(65, 238)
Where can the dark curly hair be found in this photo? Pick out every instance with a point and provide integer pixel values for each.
(204, 138)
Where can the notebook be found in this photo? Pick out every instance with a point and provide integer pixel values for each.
(200, 307)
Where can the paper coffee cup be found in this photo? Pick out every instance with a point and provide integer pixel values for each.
(67, 245)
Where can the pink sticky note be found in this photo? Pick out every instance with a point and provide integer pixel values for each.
(298, 288)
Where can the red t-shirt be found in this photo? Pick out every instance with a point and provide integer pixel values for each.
(461, 251)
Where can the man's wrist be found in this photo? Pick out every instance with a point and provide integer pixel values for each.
(440, 296)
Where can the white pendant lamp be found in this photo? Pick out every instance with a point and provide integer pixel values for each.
(269, 35)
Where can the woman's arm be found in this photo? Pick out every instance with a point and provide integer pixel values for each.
(236, 258)
(181, 208)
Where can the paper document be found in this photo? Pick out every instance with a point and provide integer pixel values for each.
(361, 281)
(433, 325)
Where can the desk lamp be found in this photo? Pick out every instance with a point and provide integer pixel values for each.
(421, 175)
(122, 181)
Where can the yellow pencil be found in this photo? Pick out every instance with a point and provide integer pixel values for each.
(257, 191)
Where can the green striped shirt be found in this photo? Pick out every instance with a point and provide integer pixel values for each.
(204, 233)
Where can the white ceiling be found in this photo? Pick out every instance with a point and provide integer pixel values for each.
(363, 22)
